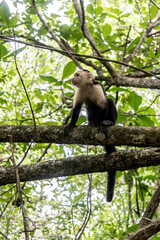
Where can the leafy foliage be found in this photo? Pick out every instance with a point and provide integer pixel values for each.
(57, 208)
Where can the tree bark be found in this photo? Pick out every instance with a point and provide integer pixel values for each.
(124, 81)
(121, 161)
(86, 135)
(146, 232)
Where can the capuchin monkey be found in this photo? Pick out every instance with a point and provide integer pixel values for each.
(101, 112)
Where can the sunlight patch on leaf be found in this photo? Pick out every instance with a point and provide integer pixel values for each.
(49, 79)
(78, 197)
(68, 70)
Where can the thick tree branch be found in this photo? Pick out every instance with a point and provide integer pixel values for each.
(151, 208)
(146, 232)
(121, 161)
(86, 135)
(132, 82)
(139, 74)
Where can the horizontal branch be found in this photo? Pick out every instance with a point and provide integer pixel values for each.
(116, 135)
(132, 82)
(121, 161)
(138, 74)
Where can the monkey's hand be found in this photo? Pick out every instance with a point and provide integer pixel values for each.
(104, 125)
(92, 124)
(68, 128)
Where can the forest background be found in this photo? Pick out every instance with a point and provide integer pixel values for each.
(53, 186)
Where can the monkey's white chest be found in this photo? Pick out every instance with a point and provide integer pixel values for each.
(91, 94)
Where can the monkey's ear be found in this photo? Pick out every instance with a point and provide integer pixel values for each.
(90, 76)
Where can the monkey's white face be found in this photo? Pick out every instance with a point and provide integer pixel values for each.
(81, 78)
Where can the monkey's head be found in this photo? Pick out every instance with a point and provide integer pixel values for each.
(82, 78)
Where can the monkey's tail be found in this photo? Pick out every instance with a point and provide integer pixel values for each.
(111, 177)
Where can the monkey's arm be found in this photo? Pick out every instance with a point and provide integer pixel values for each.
(111, 116)
(75, 114)
(112, 111)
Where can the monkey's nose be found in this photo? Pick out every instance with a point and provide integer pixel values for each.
(73, 81)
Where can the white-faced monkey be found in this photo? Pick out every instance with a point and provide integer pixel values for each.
(101, 112)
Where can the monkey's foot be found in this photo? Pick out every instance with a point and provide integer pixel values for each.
(104, 125)
(91, 124)
(68, 128)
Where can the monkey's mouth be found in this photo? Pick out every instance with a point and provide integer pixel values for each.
(74, 82)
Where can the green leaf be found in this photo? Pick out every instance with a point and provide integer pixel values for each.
(98, 11)
(13, 21)
(144, 24)
(90, 9)
(153, 11)
(4, 13)
(155, 238)
(38, 108)
(3, 51)
(111, 15)
(133, 44)
(39, 95)
(3, 101)
(121, 118)
(42, 31)
(132, 228)
(113, 46)
(65, 31)
(134, 100)
(81, 120)
(106, 30)
(78, 197)
(68, 70)
(153, 178)
(49, 79)
(7, 195)
(125, 15)
(144, 121)
(17, 52)
(103, 16)
(4, 200)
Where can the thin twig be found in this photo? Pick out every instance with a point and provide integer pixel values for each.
(81, 55)
(155, 4)
(143, 110)
(87, 34)
(25, 154)
(129, 197)
(125, 46)
(62, 43)
(24, 87)
(8, 202)
(124, 52)
(25, 223)
(142, 39)
(45, 151)
(89, 210)
(3, 235)
(7, 190)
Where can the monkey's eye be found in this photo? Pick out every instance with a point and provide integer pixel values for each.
(77, 74)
